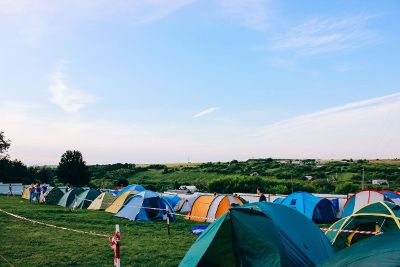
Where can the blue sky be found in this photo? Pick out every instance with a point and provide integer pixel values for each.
(168, 81)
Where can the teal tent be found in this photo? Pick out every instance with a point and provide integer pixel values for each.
(382, 250)
(53, 196)
(85, 198)
(260, 234)
(68, 198)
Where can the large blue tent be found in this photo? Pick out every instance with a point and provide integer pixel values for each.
(131, 187)
(317, 209)
(146, 206)
(172, 200)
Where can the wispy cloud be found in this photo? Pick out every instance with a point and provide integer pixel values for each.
(205, 112)
(313, 118)
(35, 19)
(252, 13)
(325, 35)
(67, 98)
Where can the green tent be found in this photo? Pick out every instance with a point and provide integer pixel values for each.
(376, 217)
(102, 201)
(53, 196)
(68, 198)
(260, 234)
(382, 250)
(85, 198)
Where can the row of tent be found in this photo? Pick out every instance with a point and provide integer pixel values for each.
(270, 234)
(135, 203)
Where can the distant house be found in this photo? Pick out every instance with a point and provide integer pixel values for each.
(190, 188)
(309, 177)
(380, 182)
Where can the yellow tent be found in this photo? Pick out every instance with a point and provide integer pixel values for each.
(119, 201)
(101, 202)
(26, 193)
(208, 208)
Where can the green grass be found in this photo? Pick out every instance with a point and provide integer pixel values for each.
(142, 243)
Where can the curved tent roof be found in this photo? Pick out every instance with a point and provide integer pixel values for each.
(86, 197)
(119, 202)
(173, 200)
(207, 208)
(146, 206)
(317, 209)
(26, 193)
(382, 250)
(394, 196)
(361, 199)
(260, 234)
(68, 198)
(186, 203)
(53, 196)
(131, 187)
(102, 201)
(376, 217)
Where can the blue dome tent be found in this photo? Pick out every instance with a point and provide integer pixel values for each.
(172, 200)
(317, 209)
(131, 187)
(145, 206)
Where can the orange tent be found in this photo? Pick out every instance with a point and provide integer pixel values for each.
(208, 208)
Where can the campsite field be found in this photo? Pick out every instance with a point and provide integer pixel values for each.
(142, 244)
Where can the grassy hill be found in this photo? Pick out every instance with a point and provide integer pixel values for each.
(276, 176)
(142, 244)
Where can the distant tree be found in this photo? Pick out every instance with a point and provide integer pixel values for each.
(72, 169)
(176, 185)
(4, 145)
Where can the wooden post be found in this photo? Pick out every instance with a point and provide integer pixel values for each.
(168, 226)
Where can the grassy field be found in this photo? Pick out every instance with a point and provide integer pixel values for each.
(142, 244)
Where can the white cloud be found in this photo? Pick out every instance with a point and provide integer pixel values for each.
(67, 98)
(325, 35)
(252, 13)
(35, 19)
(205, 112)
(363, 129)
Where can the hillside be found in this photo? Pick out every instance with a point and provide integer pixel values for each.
(275, 176)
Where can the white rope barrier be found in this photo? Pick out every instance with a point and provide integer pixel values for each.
(351, 231)
(9, 263)
(52, 225)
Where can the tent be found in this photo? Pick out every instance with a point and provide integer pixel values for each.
(130, 187)
(68, 198)
(173, 201)
(53, 196)
(279, 200)
(394, 196)
(376, 217)
(186, 203)
(317, 209)
(361, 199)
(207, 208)
(86, 197)
(259, 234)
(102, 201)
(26, 193)
(145, 206)
(382, 250)
(119, 201)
